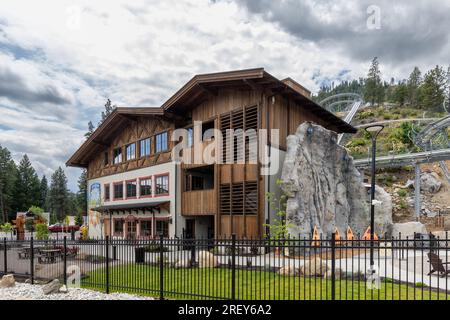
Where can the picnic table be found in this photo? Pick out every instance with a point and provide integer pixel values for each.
(25, 252)
(49, 255)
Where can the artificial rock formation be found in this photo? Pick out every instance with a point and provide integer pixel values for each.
(323, 187)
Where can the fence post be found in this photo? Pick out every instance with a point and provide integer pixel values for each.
(161, 268)
(32, 260)
(5, 256)
(107, 264)
(65, 261)
(333, 266)
(233, 267)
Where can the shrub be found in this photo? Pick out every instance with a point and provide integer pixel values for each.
(7, 227)
(403, 204)
(29, 224)
(357, 142)
(84, 233)
(155, 248)
(402, 193)
(41, 231)
(420, 285)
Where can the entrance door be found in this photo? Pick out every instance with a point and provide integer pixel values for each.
(190, 229)
(131, 229)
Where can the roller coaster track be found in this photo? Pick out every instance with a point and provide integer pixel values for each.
(433, 139)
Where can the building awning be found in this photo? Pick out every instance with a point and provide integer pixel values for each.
(132, 206)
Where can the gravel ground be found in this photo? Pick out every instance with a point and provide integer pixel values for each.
(24, 291)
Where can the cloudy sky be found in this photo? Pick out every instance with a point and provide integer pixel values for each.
(60, 60)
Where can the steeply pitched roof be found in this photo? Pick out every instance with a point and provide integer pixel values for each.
(106, 131)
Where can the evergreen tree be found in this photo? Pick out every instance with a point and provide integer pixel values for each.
(373, 88)
(109, 108)
(43, 193)
(59, 195)
(27, 186)
(82, 193)
(432, 90)
(413, 84)
(7, 181)
(400, 93)
(91, 130)
(447, 92)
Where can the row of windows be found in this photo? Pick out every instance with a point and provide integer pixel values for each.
(145, 188)
(145, 149)
(146, 230)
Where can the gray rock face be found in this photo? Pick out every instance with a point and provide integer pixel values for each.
(323, 187)
(52, 287)
(383, 211)
(429, 182)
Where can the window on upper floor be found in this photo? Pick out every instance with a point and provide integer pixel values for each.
(190, 137)
(117, 153)
(162, 185)
(131, 189)
(118, 191)
(145, 187)
(161, 142)
(130, 151)
(106, 158)
(107, 192)
(145, 147)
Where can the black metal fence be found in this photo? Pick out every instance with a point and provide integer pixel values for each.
(255, 269)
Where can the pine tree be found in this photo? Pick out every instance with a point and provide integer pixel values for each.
(91, 129)
(413, 84)
(109, 108)
(59, 195)
(432, 90)
(43, 193)
(27, 186)
(82, 193)
(373, 88)
(7, 181)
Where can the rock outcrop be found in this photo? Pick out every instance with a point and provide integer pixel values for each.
(323, 187)
(52, 287)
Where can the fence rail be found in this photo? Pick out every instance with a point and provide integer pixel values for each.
(230, 268)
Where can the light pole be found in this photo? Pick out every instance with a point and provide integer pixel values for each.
(374, 131)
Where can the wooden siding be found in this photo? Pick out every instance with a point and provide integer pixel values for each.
(198, 203)
(134, 131)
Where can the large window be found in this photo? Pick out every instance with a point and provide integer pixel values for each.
(118, 226)
(145, 147)
(146, 228)
(145, 186)
(131, 189)
(130, 151)
(161, 142)
(117, 155)
(162, 185)
(162, 227)
(107, 192)
(118, 191)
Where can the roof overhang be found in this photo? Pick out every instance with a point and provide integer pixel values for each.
(131, 206)
(103, 135)
(193, 92)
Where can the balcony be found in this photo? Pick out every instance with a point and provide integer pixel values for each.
(199, 203)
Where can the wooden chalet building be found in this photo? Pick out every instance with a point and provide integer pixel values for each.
(135, 188)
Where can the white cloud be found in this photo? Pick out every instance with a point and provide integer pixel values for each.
(139, 53)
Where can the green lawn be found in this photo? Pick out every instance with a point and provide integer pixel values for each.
(216, 283)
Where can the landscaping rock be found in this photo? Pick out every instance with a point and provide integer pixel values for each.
(429, 182)
(7, 281)
(314, 267)
(207, 260)
(338, 274)
(183, 263)
(52, 287)
(288, 271)
(383, 211)
(323, 186)
(408, 229)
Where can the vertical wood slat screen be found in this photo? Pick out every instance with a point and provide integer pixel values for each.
(239, 202)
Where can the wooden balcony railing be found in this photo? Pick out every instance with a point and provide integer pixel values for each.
(197, 203)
